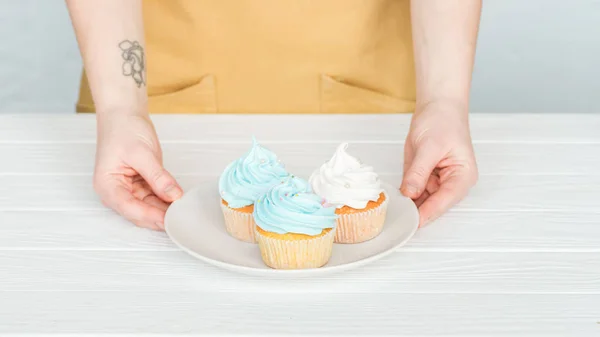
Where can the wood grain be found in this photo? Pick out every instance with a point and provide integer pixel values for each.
(500, 128)
(404, 272)
(208, 313)
(520, 256)
(386, 158)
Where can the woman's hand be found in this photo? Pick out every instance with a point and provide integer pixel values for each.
(439, 163)
(129, 176)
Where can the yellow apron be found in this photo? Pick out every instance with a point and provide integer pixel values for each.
(267, 56)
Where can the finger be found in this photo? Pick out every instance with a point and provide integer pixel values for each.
(142, 191)
(140, 213)
(432, 187)
(162, 182)
(451, 191)
(155, 201)
(408, 157)
(433, 184)
(420, 200)
(415, 179)
(140, 188)
(153, 227)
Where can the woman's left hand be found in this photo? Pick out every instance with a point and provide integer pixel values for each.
(439, 163)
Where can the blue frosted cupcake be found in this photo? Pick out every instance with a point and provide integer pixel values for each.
(294, 228)
(242, 182)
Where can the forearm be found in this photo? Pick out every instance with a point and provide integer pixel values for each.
(111, 40)
(444, 38)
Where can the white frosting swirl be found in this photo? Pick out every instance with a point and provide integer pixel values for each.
(345, 181)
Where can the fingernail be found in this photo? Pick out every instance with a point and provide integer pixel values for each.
(173, 192)
(411, 190)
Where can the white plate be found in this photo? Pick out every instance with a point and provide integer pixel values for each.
(195, 223)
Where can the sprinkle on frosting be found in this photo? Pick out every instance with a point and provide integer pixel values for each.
(250, 176)
(345, 181)
(293, 208)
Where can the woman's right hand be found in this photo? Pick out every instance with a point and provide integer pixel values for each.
(129, 176)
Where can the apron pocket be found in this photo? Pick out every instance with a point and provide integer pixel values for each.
(199, 97)
(340, 97)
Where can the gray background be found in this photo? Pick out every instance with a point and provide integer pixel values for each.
(532, 56)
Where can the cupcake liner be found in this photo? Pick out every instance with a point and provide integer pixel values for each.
(295, 254)
(240, 225)
(361, 226)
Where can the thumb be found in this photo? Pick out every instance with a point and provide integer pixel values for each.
(416, 176)
(160, 180)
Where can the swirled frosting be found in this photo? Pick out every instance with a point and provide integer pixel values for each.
(291, 207)
(250, 176)
(345, 181)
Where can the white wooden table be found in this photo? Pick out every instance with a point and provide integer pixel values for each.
(519, 257)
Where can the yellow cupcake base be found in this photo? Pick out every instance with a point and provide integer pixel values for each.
(295, 251)
(239, 224)
(361, 226)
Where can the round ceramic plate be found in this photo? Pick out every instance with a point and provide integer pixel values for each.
(195, 223)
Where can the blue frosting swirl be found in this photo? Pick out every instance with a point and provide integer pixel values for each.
(291, 207)
(250, 176)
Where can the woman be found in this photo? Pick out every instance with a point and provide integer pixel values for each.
(261, 56)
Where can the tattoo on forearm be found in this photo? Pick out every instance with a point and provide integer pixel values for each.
(134, 65)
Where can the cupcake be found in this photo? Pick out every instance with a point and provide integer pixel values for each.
(294, 229)
(355, 191)
(242, 182)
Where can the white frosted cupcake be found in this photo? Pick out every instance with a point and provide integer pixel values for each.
(355, 190)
